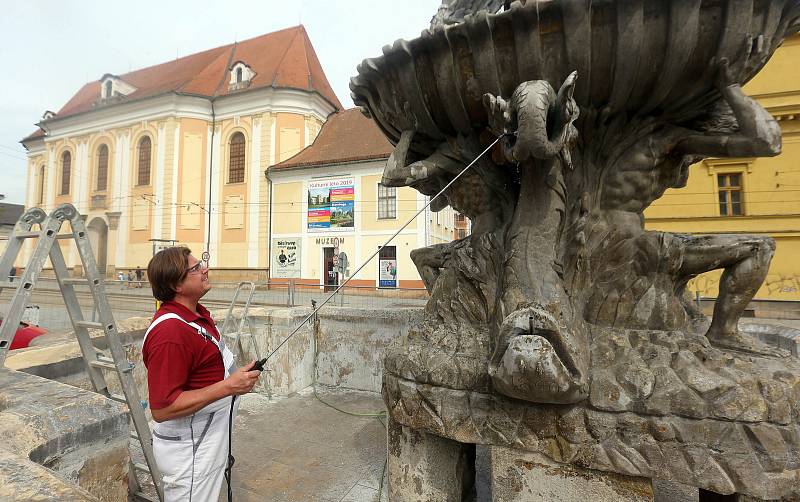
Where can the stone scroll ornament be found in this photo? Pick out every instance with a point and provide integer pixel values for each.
(561, 325)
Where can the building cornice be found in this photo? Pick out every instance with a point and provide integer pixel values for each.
(356, 168)
(181, 105)
(321, 165)
(34, 147)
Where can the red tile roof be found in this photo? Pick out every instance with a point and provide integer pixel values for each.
(347, 136)
(38, 133)
(283, 58)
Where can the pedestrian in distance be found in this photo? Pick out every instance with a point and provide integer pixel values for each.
(139, 275)
(192, 380)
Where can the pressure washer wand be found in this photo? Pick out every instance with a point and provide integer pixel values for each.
(259, 365)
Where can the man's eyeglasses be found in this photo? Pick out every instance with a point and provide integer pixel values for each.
(198, 267)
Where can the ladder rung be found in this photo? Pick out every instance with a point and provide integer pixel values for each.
(28, 235)
(141, 467)
(108, 363)
(89, 324)
(75, 280)
(103, 364)
(118, 398)
(32, 235)
(144, 496)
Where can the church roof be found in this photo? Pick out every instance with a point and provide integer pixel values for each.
(347, 136)
(282, 59)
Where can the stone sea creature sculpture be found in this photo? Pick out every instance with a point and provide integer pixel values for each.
(561, 326)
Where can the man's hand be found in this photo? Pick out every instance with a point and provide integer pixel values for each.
(243, 380)
(240, 382)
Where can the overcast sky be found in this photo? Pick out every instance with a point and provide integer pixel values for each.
(50, 49)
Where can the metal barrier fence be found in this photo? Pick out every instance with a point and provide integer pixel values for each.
(134, 299)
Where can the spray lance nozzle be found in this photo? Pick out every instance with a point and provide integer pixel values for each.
(259, 365)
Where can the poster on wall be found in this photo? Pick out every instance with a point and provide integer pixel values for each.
(286, 258)
(387, 267)
(388, 274)
(331, 205)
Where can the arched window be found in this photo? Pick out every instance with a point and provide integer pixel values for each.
(109, 88)
(41, 186)
(66, 166)
(143, 177)
(236, 162)
(239, 75)
(102, 167)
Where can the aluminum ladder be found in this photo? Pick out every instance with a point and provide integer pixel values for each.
(228, 326)
(96, 365)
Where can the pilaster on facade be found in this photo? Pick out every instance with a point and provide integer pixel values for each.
(157, 229)
(254, 186)
(172, 193)
(212, 233)
(267, 154)
(122, 202)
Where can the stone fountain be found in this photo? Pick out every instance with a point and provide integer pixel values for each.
(559, 333)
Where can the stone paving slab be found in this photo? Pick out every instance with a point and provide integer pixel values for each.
(297, 449)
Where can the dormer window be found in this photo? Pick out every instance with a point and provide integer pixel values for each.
(113, 88)
(241, 75)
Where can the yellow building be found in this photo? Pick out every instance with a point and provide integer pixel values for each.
(755, 196)
(328, 200)
(177, 152)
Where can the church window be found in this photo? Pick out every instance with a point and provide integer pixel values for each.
(66, 166)
(143, 175)
(41, 185)
(237, 157)
(102, 168)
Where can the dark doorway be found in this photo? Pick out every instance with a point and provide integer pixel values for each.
(330, 278)
(98, 237)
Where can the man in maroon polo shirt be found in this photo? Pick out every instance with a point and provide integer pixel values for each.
(192, 380)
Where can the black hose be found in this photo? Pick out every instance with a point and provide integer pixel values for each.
(231, 459)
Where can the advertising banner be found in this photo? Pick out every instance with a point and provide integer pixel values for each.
(331, 205)
(286, 257)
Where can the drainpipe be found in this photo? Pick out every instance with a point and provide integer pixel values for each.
(269, 227)
(211, 171)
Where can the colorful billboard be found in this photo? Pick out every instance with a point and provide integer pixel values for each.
(331, 204)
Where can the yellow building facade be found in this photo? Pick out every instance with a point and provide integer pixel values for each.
(177, 153)
(329, 200)
(754, 196)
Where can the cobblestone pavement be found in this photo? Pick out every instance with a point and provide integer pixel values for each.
(134, 302)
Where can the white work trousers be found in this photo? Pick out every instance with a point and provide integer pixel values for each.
(192, 453)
